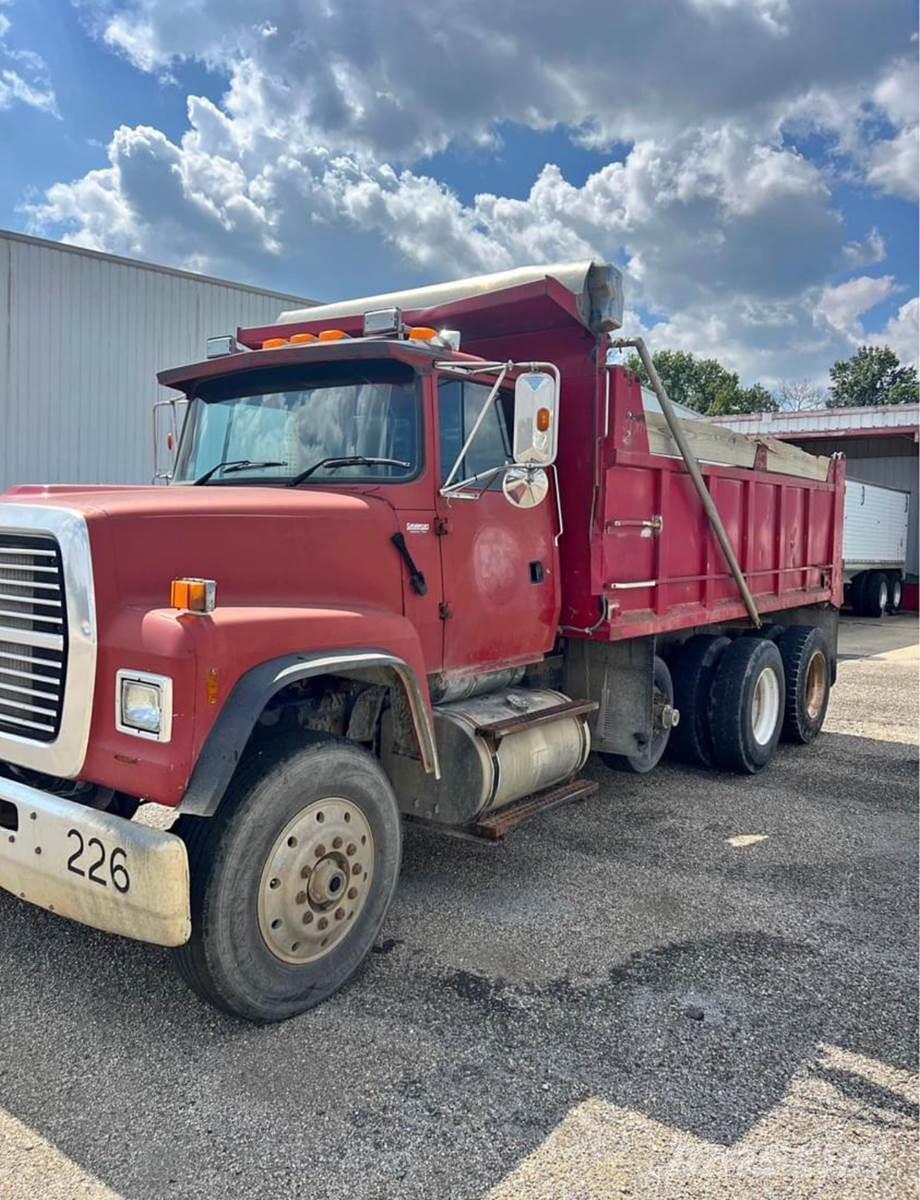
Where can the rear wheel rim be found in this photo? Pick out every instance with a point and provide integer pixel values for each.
(765, 706)
(316, 880)
(816, 685)
(896, 595)
(883, 595)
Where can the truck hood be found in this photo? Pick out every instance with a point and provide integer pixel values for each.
(263, 545)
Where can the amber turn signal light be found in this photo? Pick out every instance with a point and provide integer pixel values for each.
(193, 595)
(543, 420)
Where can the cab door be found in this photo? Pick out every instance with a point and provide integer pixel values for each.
(499, 564)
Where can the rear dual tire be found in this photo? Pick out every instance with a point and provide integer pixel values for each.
(662, 699)
(806, 665)
(746, 705)
(693, 668)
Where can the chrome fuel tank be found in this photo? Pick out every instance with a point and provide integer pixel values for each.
(481, 772)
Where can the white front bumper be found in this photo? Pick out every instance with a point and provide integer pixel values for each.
(95, 868)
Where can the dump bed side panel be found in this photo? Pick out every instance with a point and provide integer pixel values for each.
(654, 556)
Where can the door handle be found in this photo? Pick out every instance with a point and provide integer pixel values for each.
(416, 578)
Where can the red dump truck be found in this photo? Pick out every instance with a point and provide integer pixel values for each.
(420, 553)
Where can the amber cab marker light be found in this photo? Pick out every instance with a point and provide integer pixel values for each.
(274, 343)
(422, 333)
(332, 335)
(303, 339)
(193, 595)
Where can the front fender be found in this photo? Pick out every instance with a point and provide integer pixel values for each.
(221, 664)
(230, 733)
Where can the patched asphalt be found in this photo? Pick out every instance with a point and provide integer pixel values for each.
(690, 985)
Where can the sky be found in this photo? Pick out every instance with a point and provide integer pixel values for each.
(751, 165)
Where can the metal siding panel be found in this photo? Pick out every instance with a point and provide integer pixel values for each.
(81, 339)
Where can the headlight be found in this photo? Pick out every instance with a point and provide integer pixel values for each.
(143, 705)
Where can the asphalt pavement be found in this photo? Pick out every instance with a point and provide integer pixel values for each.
(690, 985)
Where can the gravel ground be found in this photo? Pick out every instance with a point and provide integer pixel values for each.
(691, 985)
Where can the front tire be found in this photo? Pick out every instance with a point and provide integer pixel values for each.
(291, 879)
(746, 705)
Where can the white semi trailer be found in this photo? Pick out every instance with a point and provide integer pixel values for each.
(874, 547)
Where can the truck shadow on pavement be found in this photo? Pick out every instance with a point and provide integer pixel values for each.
(621, 950)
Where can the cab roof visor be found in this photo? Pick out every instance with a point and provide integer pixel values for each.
(596, 286)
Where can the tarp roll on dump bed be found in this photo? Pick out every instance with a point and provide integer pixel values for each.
(597, 287)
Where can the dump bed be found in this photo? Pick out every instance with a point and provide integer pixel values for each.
(653, 559)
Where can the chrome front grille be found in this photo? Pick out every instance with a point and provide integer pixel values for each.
(33, 636)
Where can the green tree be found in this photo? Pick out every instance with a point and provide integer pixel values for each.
(704, 384)
(872, 376)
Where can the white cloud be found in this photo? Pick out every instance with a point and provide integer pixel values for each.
(401, 79)
(842, 307)
(902, 332)
(867, 253)
(311, 172)
(24, 77)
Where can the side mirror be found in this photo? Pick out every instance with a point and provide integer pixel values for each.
(165, 432)
(536, 408)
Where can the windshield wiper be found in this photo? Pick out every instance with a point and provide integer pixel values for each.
(346, 460)
(237, 464)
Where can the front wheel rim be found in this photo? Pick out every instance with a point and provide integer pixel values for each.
(765, 706)
(316, 880)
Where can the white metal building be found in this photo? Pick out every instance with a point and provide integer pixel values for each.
(880, 444)
(82, 336)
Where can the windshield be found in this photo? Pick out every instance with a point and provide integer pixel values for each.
(271, 432)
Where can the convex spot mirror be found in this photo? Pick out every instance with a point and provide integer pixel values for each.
(525, 487)
(536, 405)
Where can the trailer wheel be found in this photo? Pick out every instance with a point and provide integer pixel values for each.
(806, 665)
(692, 668)
(857, 587)
(663, 719)
(895, 593)
(291, 879)
(746, 705)
(874, 595)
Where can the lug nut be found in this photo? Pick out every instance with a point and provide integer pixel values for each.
(351, 848)
(322, 923)
(301, 898)
(352, 893)
(336, 843)
(339, 913)
(320, 850)
(308, 918)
